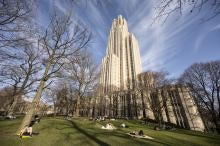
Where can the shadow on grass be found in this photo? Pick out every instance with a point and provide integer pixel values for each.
(138, 141)
(99, 142)
(120, 134)
(197, 134)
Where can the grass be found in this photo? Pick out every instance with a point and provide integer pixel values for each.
(82, 132)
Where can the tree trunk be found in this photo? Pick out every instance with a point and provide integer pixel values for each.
(110, 107)
(54, 111)
(216, 122)
(12, 105)
(143, 104)
(135, 105)
(129, 107)
(159, 120)
(215, 118)
(36, 100)
(77, 106)
(218, 97)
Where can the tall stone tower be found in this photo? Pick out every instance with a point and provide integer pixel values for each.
(122, 62)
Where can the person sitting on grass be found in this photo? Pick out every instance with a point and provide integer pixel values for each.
(123, 125)
(135, 133)
(28, 130)
(141, 133)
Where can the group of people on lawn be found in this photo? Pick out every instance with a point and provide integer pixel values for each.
(28, 129)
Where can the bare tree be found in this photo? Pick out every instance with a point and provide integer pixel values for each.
(158, 104)
(83, 74)
(19, 72)
(150, 86)
(62, 101)
(164, 8)
(61, 39)
(204, 81)
(15, 17)
(18, 60)
(59, 95)
(146, 83)
(50, 97)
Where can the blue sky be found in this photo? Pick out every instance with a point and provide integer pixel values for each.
(171, 46)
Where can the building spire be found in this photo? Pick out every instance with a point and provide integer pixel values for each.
(119, 22)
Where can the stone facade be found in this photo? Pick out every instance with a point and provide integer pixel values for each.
(176, 103)
(127, 93)
(122, 62)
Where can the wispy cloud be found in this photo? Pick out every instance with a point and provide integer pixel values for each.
(203, 36)
(167, 46)
(151, 38)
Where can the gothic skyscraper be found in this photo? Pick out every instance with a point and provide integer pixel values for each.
(121, 71)
(122, 62)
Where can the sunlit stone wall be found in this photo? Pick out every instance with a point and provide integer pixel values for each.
(125, 92)
(122, 62)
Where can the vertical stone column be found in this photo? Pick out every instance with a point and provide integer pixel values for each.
(149, 111)
(193, 117)
(163, 113)
(170, 109)
(139, 105)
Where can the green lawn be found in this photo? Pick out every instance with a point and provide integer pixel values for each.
(60, 132)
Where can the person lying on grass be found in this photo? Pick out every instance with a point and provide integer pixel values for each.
(28, 130)
(109, 126)
(139, 134)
